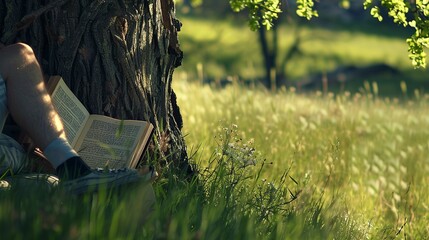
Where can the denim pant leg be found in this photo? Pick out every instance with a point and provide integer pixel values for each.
(4, 112)
(12, 155)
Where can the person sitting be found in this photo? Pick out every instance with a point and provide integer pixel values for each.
(23, 94)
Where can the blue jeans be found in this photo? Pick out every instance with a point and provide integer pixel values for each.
(12, 155)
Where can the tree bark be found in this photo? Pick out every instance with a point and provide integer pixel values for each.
(117, 56)
(269, 57)
(269, 50)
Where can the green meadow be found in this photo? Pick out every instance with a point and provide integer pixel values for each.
(361, 152)
(272, 164)
(365, 157)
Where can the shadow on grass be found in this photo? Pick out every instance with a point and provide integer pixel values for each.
(35, 210)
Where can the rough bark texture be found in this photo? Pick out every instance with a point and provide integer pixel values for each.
(117, 56)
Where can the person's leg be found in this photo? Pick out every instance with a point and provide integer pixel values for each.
(12, 155)
(27, 95)
(30, 106)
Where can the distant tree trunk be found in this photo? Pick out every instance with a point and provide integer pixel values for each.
(269, 58)
(275, 73)
(269, 49)
(117, 56)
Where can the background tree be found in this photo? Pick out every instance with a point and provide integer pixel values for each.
(266, 15)
(117, 56)
(413, 13)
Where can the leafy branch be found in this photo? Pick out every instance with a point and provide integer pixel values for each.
(407, 13)
(260, 11)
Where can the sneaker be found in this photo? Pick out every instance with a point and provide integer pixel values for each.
(4, 185)
(30, 182)
(101, 178)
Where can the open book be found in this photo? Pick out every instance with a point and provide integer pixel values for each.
(98, 139)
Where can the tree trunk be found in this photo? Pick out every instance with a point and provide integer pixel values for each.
(275, 75)
(269, 50)
(268, 57)
(117, 56)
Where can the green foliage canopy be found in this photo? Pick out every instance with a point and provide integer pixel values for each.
(260, 11)
(408, 13)
(400, 11)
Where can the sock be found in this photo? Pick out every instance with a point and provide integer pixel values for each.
(65, 160)
(58, 151)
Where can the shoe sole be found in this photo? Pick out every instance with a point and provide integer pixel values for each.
(93, 184)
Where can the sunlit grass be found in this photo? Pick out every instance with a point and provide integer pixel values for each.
(347, 166)
(369, 154)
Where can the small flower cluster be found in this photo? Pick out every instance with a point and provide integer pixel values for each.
(229, 181)
(235, 149)
(242, 153)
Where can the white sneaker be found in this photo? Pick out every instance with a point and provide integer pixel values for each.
(29, 181)
(4, 185)
(101, 178)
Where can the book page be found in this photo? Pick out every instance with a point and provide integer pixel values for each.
(71, 110)
(110, 142)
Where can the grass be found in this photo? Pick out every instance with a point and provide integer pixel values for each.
(273, 166)
(364, 155)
